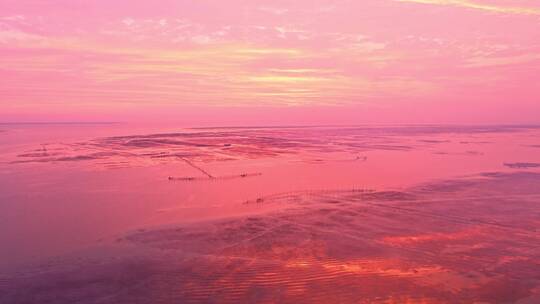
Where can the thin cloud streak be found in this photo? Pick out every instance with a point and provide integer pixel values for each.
(479, 6)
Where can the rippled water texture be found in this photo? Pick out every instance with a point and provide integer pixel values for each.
(386, 214)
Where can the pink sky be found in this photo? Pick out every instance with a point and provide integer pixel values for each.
(271, 62)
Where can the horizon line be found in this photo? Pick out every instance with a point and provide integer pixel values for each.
(273, 126)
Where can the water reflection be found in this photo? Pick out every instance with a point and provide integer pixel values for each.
(339, 215)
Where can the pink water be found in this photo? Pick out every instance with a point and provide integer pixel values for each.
(68, 188)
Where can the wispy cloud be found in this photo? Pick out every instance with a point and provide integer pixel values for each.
(13, 18)
(11, 36)
(481, 62)
(244, 53)
(480, 6)
(274, 10)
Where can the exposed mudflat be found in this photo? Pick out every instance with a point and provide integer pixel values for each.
(468, 240)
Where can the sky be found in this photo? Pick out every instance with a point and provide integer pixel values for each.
(248, 62)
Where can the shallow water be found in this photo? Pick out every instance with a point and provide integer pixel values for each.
(390, 214)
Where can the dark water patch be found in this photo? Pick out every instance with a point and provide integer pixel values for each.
(214, 178)
(434, 141)
(447, 186)
(35, 154)
(475, 142)
(387, 196)
(46, 157)
(466, 153)
(522, 165)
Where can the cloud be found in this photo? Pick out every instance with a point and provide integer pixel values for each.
(274, 10)
(12, 35)
(293, 54)
(13, 18)
(369, 46)
(480, 62)
(128, 21)
(480, 6)
(201, 39)
(284, 32)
